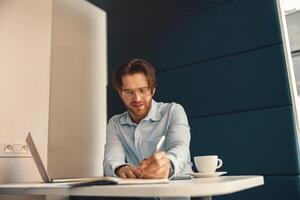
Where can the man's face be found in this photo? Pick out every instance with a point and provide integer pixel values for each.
(136, 95)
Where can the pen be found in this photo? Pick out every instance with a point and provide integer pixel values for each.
(158, 146)
(160, 143)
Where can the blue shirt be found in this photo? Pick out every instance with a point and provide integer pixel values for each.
(130, 143)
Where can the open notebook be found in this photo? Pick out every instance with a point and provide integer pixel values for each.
(104, 180)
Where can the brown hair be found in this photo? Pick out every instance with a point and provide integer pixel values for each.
(133, 66)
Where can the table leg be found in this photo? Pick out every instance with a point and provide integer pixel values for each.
(56, 197)
(205, 198)
(202, 198)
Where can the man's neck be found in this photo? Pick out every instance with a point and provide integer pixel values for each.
(136, 119)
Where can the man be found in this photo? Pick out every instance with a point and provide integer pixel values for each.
(132, 136)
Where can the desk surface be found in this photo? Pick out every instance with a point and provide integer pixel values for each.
(200, 187)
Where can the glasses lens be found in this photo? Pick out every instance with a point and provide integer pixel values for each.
(143, 92)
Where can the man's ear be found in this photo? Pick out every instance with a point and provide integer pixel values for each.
(120, 93)
(153, 92)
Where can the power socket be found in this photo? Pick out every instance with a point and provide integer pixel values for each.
(14, 151)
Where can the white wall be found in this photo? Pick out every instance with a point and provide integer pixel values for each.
(25, 46)
(53, 77)
(78, 90)
(293, 26)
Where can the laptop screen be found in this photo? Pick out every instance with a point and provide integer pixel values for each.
(37, 159)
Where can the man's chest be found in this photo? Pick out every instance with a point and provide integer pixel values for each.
(143, 138)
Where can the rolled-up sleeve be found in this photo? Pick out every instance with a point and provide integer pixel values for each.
(114, 154)
(178, 139)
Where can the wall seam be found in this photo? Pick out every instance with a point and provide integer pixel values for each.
(238, 111)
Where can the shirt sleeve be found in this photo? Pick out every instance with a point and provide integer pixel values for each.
(114, 154)
(178, 139)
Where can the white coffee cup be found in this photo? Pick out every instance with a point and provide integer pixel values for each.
(207, 164)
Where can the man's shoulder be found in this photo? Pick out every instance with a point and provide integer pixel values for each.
(173, 111)
(168, 107)
(116, 118)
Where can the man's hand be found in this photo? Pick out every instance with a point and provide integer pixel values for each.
(156, 166)
(127, 171)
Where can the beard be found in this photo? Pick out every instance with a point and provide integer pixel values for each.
(139, 109)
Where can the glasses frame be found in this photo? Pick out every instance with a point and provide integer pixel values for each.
(130, 93)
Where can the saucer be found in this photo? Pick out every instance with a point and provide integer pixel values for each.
(206, 175)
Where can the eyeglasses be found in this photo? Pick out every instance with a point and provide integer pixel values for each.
(142, 92)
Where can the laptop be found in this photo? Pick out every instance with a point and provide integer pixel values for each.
(103, 180)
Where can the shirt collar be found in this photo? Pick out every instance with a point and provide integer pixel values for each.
(126, 119)
(153, 114)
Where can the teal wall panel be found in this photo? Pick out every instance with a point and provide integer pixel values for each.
(152, 14)
(256, 142)
(247, 81)
(140, 16)
(114, 103)
(223, 61)
(213, 33)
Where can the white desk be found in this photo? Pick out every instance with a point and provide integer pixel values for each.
(197, 187)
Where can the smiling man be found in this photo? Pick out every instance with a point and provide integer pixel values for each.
(132, 136)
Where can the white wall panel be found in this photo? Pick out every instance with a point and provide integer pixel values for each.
(53, 84)
(78, 90)
(25, 46)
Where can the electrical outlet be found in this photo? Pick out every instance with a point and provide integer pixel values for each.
(8, 148)
(20, 149)
(14, 151)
